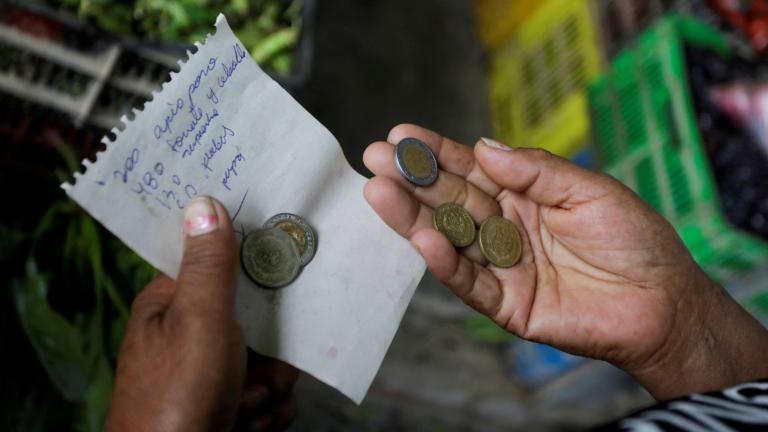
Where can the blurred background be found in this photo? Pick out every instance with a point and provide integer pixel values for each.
(668, 96)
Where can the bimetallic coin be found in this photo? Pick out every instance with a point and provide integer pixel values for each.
(456, 223)
(270, 257)
(301, 232)
(416, 162)
(500, 242)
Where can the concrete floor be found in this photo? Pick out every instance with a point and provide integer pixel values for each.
(379, 63)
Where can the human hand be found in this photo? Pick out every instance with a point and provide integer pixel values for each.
(602, 274)
(267, 402)
(182, 365)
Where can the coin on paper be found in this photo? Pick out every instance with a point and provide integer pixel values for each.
(299, 230)
(500, 242)
(270, 257)
(455, 223)
(416, 162)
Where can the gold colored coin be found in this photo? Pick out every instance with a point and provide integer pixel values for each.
(455, 223)
(299, 230)
(417, 161)
(296, 232)
(500, 242)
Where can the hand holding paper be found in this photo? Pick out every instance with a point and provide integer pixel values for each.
(221, 127)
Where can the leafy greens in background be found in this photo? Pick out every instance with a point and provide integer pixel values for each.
(92, 277)
(69, 283)
(268, 28)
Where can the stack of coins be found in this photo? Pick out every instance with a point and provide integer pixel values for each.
(498, 238)
(273, 256)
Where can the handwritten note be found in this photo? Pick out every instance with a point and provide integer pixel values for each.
(222, 127)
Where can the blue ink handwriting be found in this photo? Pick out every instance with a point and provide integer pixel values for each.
(231, 170)
(229, 70)
(216, 145)
(128, 166)
(166, 127)
(191, 147)
(198, 80)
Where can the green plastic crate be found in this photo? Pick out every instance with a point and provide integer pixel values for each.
(646, 136)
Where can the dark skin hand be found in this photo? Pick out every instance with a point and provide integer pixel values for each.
(183, 364)
(602, 274)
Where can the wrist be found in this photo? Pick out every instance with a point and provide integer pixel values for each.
(713, 344)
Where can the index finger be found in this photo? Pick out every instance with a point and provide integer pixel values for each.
(453, 157)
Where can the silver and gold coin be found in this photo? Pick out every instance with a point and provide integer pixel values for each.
(456, 223)
(270, 257)
(416, 162)
(500, 242)
(299, 230)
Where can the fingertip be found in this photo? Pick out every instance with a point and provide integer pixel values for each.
(379, 158)
(401, 131)
(204, 215)
(438, 252)
(369, 155)
(222, 212)
(495, 145)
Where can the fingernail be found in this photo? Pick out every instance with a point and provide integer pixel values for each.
(495, 144)
(200, 217)
(256, 395)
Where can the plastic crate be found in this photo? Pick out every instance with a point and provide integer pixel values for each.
(539, 79)
(621, 21)
(646, 135)
(497, 20)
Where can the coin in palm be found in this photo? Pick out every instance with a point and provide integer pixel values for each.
(500, 242)
(456, 223)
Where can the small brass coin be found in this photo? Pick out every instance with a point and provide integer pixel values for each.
(500, 242)
(301, 232)
(416, 162)
(270, 257)
(456, 223)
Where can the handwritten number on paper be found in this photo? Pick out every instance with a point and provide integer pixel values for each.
(191, 191)
(141, 190)
(151, 180)
(163, 203)
(170, 196)
(128, 166)
(154, 180)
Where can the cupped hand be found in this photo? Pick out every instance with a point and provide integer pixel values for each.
(602, 274)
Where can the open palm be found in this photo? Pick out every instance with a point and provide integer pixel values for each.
(602, 274)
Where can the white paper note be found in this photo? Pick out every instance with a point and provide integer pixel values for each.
(222, 127)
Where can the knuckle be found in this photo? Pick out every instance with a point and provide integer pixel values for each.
(207, 256)
(193, 323)
(150, 301)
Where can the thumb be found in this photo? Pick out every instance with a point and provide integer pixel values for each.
(545, 178)
(206, 281)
